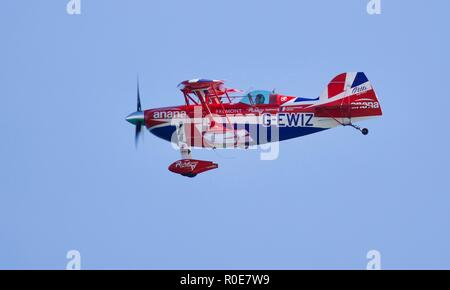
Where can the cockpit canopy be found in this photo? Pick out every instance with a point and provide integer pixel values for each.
(257, 97)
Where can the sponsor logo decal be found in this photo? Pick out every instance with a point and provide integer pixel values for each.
(358, 90)
(169, 114)
(186, 164)
(255, 110)
(229, 111)
(365, 103)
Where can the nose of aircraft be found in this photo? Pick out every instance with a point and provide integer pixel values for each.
(135, 118)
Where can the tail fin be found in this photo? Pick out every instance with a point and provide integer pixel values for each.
(349, 95)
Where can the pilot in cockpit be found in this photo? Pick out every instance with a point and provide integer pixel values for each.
(259, 99)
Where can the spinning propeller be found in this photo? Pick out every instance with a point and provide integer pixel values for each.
(137, 118)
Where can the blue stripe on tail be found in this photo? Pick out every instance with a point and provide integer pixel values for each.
(359, 79)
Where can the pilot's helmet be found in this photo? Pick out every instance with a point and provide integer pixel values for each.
(260, 99)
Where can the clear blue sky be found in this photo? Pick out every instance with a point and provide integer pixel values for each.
(70, 177)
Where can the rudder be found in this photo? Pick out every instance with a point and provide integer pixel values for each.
(349, 95)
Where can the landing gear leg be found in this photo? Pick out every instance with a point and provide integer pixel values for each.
(364, 131)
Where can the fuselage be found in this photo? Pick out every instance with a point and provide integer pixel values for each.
(264, 123)
(259, 117)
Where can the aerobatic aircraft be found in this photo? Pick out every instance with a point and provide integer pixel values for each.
(214, 116)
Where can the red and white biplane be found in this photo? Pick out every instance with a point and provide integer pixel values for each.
(214, 116)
